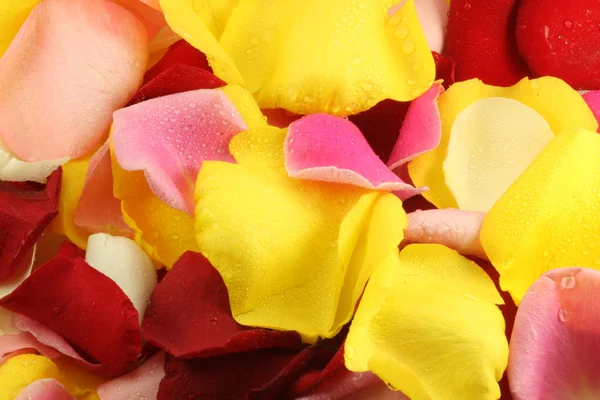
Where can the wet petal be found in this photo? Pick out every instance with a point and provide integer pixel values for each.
(554, 346)
(70, 48)
(433, 16)
(421, 129)
(322, 147)
(561, 106)
(456, 229)
(45, 389)
(142, 383)
(529, 232)
(169, 137)
(424, 313)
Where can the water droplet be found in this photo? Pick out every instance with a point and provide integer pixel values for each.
(175, 237)
(254, 40)
(56, 310)
(213, 319)
(470, 296)
(367, 87)
(408, 47)
(467, 7)
(563, 315)
(568, 282)
(401, 32)
(416, 67)
(292, 93)
(568, 24)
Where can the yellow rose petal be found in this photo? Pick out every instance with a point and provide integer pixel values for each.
(550, 217)
(560, 105)
(429, 326)
(492, 141)
(19, 371)
(12, 15)
(80, 383)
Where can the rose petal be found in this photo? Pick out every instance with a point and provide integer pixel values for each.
(141, 384)
(45, 389)
(179, 53)
(189, 315)
(121, 260)
(456, 229)
(554, 346)
(593, 101)
(64, 293)
(421, 130)
(325, 148)
(20, 274)
(25, 212)
(357, 386)
(169, 137)
(15, 170)
(433, 15)
(444, 69)
(70, 48)
(561, 40)
(97, 209)
(159, 45)
(152, 18)
(14, 343)
(481, 40)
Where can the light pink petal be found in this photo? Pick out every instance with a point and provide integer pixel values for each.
(456, 229)
(433, 15)
(325, 148)
(70, 66)
(555, 342)
(169, 137)
(140, 384)
(98, 210)
(23, 343)
(593, 101)
(421, 130)
(45, 389)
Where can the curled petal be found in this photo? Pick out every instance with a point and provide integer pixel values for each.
(325, 148)
(45, 389)
(456, 229)
(528, 232)
(141, 383)
(70, 48)
(424, 313)
(554, 345)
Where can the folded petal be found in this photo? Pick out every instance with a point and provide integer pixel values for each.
(45, 389)
(547, 219)
(70, 48)
(189, 315)
(142, 383)
(121, 260)
(97, 209)
(429, 317)
(421, 130)
(554, 346)
(560, 40)
(322, 147)
(557, 103)
(456, 229)
(481, 40)
(329, 236)
(25, 212)
(593, 101)
(169, 137)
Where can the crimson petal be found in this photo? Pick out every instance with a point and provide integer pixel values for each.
(26, 209)
(444, 69)
(180, 52)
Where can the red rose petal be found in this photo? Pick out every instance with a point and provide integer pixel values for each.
(189, 315)
(561, 38)
(481, 41)
(83, 306)
(444, 69)
(180, 52)
(26, 210)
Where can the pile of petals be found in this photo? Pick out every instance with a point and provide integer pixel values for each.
(263, 200)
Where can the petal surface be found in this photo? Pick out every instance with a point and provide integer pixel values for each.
(561, 106)
(322, 147)
(424, 313)
(548, 218)
(180, 52)
(81, 90)
(141, 384)
(169, 137)
(15, 170)
(433, 15)
(593, 101)
(553, 348)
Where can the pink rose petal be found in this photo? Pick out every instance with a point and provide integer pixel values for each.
(140, 384)
(555, 344)
(593, 101)
(169, 137)
(456, 229)
(98, 210)
(70, 66)
(433, 15)
(421, 130)
(24, 341)
(325, 148)
(45, 389)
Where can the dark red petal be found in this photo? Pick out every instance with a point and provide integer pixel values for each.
(189, 315)
(82, 305)
(381, 125)
(176, 79)
(25, 211)
(180, 52)
(561, 38)
(444, 69)
(481, 41)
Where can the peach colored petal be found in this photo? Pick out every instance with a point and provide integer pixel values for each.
(149, 15)
(433, 15)
(140, 384)
(71, 65)
(45, 389)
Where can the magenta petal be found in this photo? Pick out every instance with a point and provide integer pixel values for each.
(45, 389)
(593, 101)
(141, 383)
(325, 148)
(555, 343)
(421, 130)
(169, 137)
